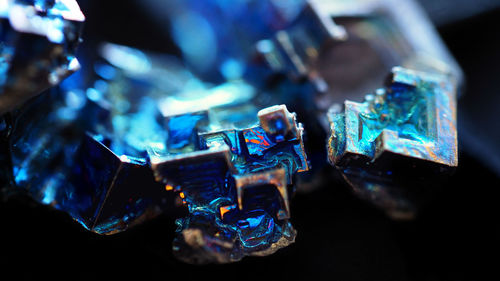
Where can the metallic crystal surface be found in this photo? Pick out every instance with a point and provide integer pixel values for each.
(413, 118)
(237, 183)
(37, 47)
(83, 150)
(109, 155)
(59, 163)
(345, 49)
(140, 134)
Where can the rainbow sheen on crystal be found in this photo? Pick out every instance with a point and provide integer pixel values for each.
(411, 122)
(237, 184)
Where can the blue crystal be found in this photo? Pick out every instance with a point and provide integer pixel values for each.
(110, 182)
(61, 166)
(405, 108)
(86, 152)
(410, 123)
(236, 183)
(73, 149)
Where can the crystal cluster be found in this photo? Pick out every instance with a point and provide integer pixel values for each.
(139, 134)
(237, 183)
(110, 155)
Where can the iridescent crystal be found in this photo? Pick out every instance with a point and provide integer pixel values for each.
(84, 151)
(237, 183)
(92, 154)
(413, 117)
(344, 49)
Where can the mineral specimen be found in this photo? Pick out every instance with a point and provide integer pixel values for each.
(397, 137)
(345, 49)
(95, 153)
(146, 132)
(237, 184)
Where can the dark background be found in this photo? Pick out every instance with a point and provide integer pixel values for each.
(339, 237)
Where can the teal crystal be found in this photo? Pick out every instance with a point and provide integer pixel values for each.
(407, 109)
(410, 123)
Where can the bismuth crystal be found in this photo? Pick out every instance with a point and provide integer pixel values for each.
(237, 183)
(96, 153)
(37, 47)
(146, 132)
(397, 137)
(344, 49)
(84, 151)
(59, 160)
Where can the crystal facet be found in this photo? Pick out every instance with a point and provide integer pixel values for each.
(412, 117)
(237, 184)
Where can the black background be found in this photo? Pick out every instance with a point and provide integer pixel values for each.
(340, 237)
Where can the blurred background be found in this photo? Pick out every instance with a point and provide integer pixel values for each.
(339, 237)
